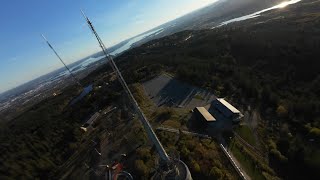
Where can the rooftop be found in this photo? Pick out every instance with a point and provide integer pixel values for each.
(93, 118)
(228, 105)
(206, 114)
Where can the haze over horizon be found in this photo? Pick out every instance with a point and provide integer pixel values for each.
(25, 56)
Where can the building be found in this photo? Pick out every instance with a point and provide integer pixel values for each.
(203, 114)
(227, 109)
(89, 125)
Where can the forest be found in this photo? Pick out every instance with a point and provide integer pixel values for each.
(39, 141)
(274, 66)
(270, 65)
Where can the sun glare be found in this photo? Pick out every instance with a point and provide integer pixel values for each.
(283, 5)
(286, 3)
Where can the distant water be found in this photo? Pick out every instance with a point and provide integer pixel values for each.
(134, 40)
(85, 91)
(83, 65)
(159, 32)
(257, 14)
(77, 68)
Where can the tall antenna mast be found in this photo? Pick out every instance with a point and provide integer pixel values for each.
(55, 52)
(170, 168)
(151, 134)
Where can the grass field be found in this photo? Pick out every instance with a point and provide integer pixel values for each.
(246, 133)
(246, 161)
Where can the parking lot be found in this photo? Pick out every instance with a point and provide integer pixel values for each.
(165, 90)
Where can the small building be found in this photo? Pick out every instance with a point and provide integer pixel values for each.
(203, 114)
(227, 109)
(89, 125)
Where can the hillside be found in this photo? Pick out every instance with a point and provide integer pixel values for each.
(267, 66)
(270, 64)
(211, 15)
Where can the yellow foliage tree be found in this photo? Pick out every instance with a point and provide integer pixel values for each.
(282, 111)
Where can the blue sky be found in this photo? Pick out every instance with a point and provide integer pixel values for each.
(25, 56)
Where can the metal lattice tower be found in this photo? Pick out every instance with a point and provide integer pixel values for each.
(170, 168)
(55, 52)
(151, 134)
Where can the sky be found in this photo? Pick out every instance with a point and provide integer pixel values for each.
(25, 56)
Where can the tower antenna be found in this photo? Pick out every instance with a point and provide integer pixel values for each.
(151, 134)
(55, 52)
(171, 167)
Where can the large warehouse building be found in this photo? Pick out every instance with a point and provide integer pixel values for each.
(227, 109)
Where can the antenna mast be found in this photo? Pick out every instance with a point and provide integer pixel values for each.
(151, 134)
(170, 168)
(55, 52)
